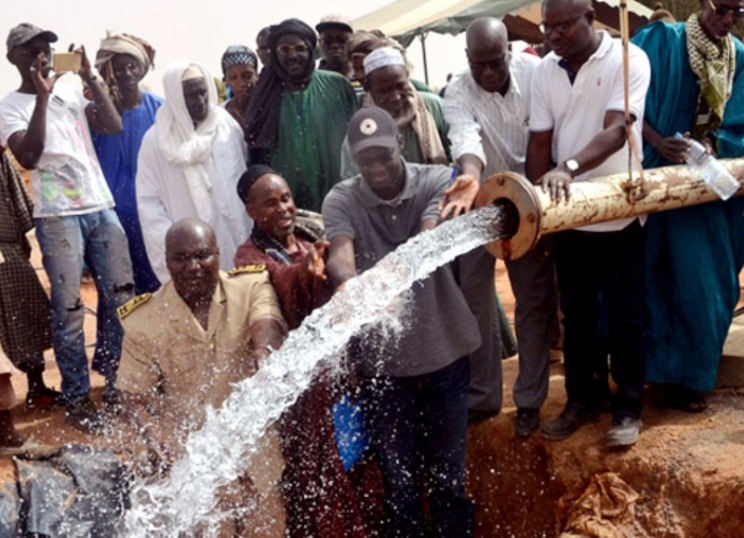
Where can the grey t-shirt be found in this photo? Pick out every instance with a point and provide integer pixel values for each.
(441, 326)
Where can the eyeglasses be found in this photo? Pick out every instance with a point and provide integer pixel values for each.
(560, 28)
(286, 50)
(722, 11)
(495, 65)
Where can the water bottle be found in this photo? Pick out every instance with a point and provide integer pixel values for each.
(710, 170)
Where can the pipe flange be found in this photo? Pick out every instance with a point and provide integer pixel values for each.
(513, 188)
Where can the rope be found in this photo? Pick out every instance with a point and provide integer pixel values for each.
(635, 189)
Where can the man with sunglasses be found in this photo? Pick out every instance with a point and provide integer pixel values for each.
(47, 126)
(694, 254)
(578, 131)
(488, 111)
(298, 115)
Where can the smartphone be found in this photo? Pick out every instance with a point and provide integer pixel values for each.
(66, 61)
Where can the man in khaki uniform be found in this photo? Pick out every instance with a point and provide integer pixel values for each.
(183, 347)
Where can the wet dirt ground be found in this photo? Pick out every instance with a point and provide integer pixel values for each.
(688, 470)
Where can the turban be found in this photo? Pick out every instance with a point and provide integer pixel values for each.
(361, 42)
(114, 44)
(263, 110)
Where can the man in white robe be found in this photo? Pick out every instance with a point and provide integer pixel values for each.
(189, 165)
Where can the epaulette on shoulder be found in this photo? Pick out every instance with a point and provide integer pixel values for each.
(132, 304)
(247, 269)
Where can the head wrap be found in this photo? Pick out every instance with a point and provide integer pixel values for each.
(250, 177)
(267, 95)
(302, 30)
(361, 42)
(114, 44)
(382, 57)
(182, 143)
(192, 72)
(238, 55)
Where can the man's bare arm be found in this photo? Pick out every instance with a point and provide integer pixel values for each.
(27, 146)
(341, 264)
(101, 112)
(539, 147)
(608, 141)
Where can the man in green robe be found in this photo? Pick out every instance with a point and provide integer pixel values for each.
(298, 115)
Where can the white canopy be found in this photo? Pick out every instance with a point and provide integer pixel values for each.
(405, 19)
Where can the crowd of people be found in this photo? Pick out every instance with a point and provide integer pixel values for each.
(191, 216)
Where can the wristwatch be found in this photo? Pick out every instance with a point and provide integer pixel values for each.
(572, 165)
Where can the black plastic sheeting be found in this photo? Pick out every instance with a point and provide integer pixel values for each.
(77, 491)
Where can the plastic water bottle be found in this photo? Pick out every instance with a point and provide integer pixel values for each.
(710, 170)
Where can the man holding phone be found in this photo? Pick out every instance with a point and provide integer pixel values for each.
(47, 127)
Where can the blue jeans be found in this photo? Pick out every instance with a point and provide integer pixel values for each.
(419, 432)
(98, 239)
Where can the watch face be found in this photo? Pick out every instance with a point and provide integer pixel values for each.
(572, 165)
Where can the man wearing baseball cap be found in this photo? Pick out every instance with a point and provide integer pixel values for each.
(418, 384)
(47, 127)
(334, 32)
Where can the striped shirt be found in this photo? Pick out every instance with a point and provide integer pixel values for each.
(492, 126)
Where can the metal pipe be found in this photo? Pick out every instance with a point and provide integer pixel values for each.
(593, 201)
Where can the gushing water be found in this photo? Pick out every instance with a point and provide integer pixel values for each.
(216, 454)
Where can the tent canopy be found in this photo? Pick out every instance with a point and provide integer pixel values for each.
(406, 19)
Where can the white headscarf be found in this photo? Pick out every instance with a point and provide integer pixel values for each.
(183, 144)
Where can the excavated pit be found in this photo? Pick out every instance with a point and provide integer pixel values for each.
(687, 469)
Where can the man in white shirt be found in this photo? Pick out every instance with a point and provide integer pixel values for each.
(488, 111)
(47, 127)
(189, 165)
(578, 122)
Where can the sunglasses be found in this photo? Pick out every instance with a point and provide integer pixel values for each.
(722, 11)
(286, 50)
(560, 28)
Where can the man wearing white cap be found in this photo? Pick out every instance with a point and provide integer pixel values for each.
(189, 165)
(334, 32)
(419, 115)
(47, 127)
